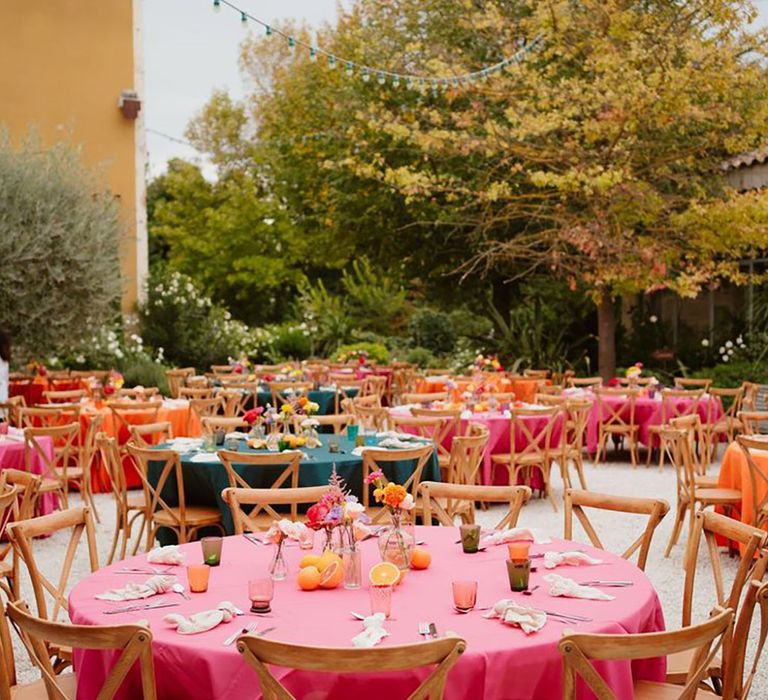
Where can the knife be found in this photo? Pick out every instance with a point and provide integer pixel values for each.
(433, 630)
(132, 608)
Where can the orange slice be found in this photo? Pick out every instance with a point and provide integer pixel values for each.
(384, 573)
(332, 575)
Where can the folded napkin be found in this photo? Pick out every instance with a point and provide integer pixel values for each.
(184, 444)
(11, 437)
(512, 613)
(205, 457)
(395, 435)
(553, 559)
(568, 588)
(170, 554)
(373, 631)
(135, 591)
(466, 415)
(236, 435)
(516, 534)
(202, 621)
(396, 444)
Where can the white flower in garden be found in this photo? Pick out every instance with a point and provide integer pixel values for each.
(722, 349)
(729, 344)
(705, 343)
(730, 352)
(725, 358)
(119, 354)
(653, 319)
(269, 221)
(80, 359)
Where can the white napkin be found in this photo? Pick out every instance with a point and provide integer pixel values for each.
(373, 631)
(568, 588)
(171, 554)
(553, 559)
(236, 435)
(205, 457)
(466, 415)
(184, 444)
(395, 444)
(134, 591)
(10, 437)
(202, 621)
(516, 534)
(512, 613)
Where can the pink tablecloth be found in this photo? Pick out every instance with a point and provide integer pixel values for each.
(12, 457)
(498, 441)
(647, 413)
(500, 661)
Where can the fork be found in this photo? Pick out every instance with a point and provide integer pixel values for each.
(232, 637)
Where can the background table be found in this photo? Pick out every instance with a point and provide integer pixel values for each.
(205, 480)
(12, 457)
(500, 662)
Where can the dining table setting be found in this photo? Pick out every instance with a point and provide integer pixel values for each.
(12, 456)
(196, 612)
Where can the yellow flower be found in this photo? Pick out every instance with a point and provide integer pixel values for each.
(286, 408)
(377, 494)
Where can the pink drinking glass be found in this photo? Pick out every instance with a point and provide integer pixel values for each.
(381, 599)
(464, 594)
(260, 592)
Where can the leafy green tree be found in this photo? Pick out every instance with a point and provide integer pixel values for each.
(59, 237)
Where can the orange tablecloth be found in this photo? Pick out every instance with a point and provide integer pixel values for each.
(524, 389)
(734, 474)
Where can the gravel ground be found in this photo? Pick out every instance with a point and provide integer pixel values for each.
(616, 531)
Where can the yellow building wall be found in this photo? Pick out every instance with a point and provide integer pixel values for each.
(63, 65)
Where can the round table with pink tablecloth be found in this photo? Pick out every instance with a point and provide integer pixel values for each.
(500, 661)
(12, 457)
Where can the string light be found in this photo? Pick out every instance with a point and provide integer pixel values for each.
(524, 47)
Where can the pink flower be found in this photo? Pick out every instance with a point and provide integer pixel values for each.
(316, 515)
(374, 476)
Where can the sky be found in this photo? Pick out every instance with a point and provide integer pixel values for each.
(189, 51)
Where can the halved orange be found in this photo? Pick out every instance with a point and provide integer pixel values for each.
(332, 575)
(385, 573)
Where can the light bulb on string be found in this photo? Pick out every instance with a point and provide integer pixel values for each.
(349, 70)
(291, 43)
(366, 75)
(217, 5)
(312, 53)
(244, 19)
(268, 30)
(396, 81)
(382, 78)
(331, 62)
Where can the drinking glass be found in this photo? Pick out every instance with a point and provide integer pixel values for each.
(352, 431)
(306, 539)
(211, 550)
(464, 594)
(197, 575)
(518, 551)
(470, 538)
(209, 444)
(518, 572)
(370, 438)
(381, 599)
(231, 444)
(260, 592)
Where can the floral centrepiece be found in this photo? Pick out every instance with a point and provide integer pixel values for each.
(114, 383)
(395, 542)
(487, 363)
(280, 531)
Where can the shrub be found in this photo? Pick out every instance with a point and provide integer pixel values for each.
(375, 351)
(421, 357)
(433, 330)
(291, 341)
(141, 369)
(59, 238)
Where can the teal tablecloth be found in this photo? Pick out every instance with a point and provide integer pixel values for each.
(204, 481)
(324, 398)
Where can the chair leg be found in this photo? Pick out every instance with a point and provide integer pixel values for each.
(679, 518)
(649, 452)
(633, 456)
(579, 464)
(661, 452)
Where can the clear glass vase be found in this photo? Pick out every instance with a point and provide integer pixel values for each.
(396, 541)
(278, 569)
(353, 570)
(256, 432)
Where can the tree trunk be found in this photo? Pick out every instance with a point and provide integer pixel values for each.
(606, 336)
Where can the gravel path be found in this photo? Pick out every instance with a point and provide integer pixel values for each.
(616, 531)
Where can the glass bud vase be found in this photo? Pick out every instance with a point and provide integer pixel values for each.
(353, 571)
(256, 432)
(396, 542)
(278, 569)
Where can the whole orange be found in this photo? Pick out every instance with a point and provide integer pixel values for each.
(420, 558)
(308, 578)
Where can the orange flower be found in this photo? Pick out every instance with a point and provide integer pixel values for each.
(303, 401)
(394, 495)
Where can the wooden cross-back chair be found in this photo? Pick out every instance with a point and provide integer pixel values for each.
(751, 393)
(451, 427)
(538, 447)
(263, 501)
(691, 383)
(402, 383)
(147, 434)
(283, 392)
(548, 390)
(753, 422)
(346, 388)
(374, 385)
(211, 424)
(189, 392)
(129, 507)
(22, 534)
(616, 420)
(728, 424)
(177, 380)
(182, 519)
(374, 459)
(97, 374)
(128, 413)
(576, 414)
(139, 394)
(204, 408)
(580, 650)
(695, 430)
(27, 486)
(444, 502)
(58, 469)
(8, 509)
(49, 415)
(132, 644)
(679, 445)
(466, 455)
(672, 407)
(11, 410)
(338, 421)
(233, 401)
(443, 653)
(551, 399)
(584, 381)
(635, 381)
(71, 396)
(426, 427)
(735, 685)
(758, 481)
(655, 508)
(536, 373)
(752, 565)
(424, 399)
(372, 417)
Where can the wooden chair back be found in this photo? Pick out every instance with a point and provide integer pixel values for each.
(536, 438)
(286, 391)
(443, 653)
(138, 394)
(758, 478)
(374, 385)
(576, 419)
(466, 455)
(64, 437)
(751, 392)
(177, 379)
(211, 424)
(338, 421)
(451, 419)
(124, 411)
(439, 501)
(619, 416)
(132, 642)
(427, 427)
(584, 381)
(9, 506)
(730, 399)
(635, 381)
(374, 459)
(579, 650)
(372, 401)
(548, 390)
(22, 534)
(263, 502)
(371, 417)
(188, 392)
(11, 410)
(146, 434)
(72, 396)
(281, 467)
(206, 408)
(424, 399)
(536, 373)
(99, 375)
(753, 422)
(27, 485)
(691, 425)
(49, 416)
(233, 401)
(672, 405)
(551, 399)
(691, 383)
(655, 508)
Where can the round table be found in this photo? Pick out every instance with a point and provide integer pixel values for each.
(500, 661)
(12, 457)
